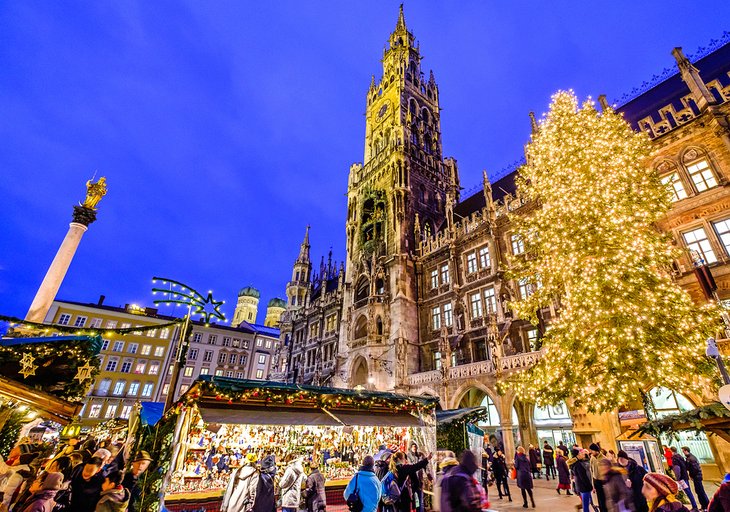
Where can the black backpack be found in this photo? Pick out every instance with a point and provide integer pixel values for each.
(354, 503)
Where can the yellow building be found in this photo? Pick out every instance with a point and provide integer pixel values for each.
(132, 365)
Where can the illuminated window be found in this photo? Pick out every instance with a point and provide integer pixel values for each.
(95, 323)
(259, 374)
(445, 274)
(219, 373)
(165, 388)
(80, 321)
(154, 368)
(485, 260)
(126, 412)
(147, 389)
(434, 278)
(151, 333)
(159, 351)
(95, 411)
(64, 319)
(699, 246)
(490, 300)
(146, 349)
(471, 262)
(476, 305)
(133, 389)
(532, 339)
(675, 186)
(111, 324)
(104, 386)
(268, 343)
(111, 410)
(702, 175)
(723, 232)
(119, 387)
(188, 371)
(436, 318)
(518, 246)
(259, 342)
(184, 388)
(448, 318)
(165, 333)
(262, 359)
(126, 325)
(204, 371)
(140, 367)
(437, 360)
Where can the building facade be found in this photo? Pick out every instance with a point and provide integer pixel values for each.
(422, 305)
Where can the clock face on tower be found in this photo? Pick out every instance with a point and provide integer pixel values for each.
(383, 110)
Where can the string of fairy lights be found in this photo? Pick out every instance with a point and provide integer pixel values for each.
(594, 253)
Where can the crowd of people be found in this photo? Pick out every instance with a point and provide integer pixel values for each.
(87, 476)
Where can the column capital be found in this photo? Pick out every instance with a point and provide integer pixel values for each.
(83, 215)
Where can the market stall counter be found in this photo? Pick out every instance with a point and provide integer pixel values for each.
(223, 424)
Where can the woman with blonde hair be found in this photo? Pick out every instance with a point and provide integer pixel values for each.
(397, 495)
(524, 476)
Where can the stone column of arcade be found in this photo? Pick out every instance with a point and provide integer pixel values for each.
(83, 216)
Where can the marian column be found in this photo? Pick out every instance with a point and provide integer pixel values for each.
(83, 215)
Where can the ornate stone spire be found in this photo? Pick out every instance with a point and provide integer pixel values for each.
(401, 24)
(304, 248)
(691, 77)
(533, 124)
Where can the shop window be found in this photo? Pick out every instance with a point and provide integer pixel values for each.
(699, 246)
(702, 175)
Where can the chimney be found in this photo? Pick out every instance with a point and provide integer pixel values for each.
(101, 300)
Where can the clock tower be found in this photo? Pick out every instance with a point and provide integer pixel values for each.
(398, 194)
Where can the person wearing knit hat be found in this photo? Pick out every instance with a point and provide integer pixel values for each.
(661, 493)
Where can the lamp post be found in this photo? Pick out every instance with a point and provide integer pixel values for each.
(181, 294)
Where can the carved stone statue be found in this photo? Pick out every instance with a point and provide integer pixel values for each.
(401, 354)
(94, 193)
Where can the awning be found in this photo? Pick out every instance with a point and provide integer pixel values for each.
(297, 416)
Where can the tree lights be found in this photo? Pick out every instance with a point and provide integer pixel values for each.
(594, 253)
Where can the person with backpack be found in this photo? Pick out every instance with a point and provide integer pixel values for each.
(363, 491)
(397, 495)
(459, 492)
(291, 486)
(264, 500)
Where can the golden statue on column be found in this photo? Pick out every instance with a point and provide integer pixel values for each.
(94, 193)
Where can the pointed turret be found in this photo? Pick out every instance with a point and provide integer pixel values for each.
(304, 248)
(692, 78)
(296, 290)
(533, 124)
(401, 24)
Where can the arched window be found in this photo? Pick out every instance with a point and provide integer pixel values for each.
(493, 415)
(669, 174)
(414, 135)
(668, 402)
(379, 286)
(379, 325)
(361, 327)
(427, 231)
(700, 171)
(426, 115)
(363, 289)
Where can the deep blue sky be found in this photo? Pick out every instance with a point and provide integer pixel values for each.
(223, 128)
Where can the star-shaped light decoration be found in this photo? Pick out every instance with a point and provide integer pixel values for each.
(182, 295)
(27, 368)
(83, 373)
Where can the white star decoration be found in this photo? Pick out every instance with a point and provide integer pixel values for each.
(27, 368)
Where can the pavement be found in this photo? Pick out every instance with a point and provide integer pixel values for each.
(545, 498)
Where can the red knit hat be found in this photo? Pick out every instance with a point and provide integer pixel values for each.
(663, 484)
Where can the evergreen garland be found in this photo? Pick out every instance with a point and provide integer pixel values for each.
(9, 432)
(157, 441)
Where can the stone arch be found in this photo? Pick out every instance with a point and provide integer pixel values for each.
(465, 388)
(361, 327)
(359, 373)
(692, 153)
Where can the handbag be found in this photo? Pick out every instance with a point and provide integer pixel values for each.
(513, 473)
(354, 502)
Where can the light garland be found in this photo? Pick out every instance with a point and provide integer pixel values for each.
(593, 251)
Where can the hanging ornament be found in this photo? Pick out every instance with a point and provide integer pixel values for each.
(27, 367)
(84, 373)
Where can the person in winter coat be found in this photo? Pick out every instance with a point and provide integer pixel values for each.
(636, 474)
(42, 493)
(548, 458)
(131, 478)
(681, 475)
(366, 484)
(661, 493)
(458, 488)
(401, 473)
(597, 455)
(447, 464)
(264, 499)
(695, 473)
(721, 499)
(241, 490)
(563, 473)
(86, 486)
(501, 474)
(314, 492)
(535, 461)
(291, 486)
(524, 476)
(18, 473)
(413, 457)
(583, 480)
(618, 495)
(114, 497)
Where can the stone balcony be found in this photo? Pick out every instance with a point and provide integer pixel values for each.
(477, 369)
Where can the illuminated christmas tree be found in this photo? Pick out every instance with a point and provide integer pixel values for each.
(593, 252)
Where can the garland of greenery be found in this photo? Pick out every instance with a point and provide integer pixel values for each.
(15, 322)
(56, 364)
(157, 441)
(451, 435)
(689, 420)
(9, 432)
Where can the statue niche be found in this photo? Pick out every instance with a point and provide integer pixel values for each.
(372, 221)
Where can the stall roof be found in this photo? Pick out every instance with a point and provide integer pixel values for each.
(451, 415)
(51, 406)
(238, 385)
(95, 341)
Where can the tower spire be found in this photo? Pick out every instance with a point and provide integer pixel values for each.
(401, 25)
(304, 249)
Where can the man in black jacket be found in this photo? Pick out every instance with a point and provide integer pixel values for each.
(679, 467)
(86, 486)
(636, 477)
(695, 472)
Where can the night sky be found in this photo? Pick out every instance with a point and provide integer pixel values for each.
(223, 128)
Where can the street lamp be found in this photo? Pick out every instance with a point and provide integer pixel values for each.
(181, 294)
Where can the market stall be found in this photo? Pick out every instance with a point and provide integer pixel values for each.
(222, 421)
